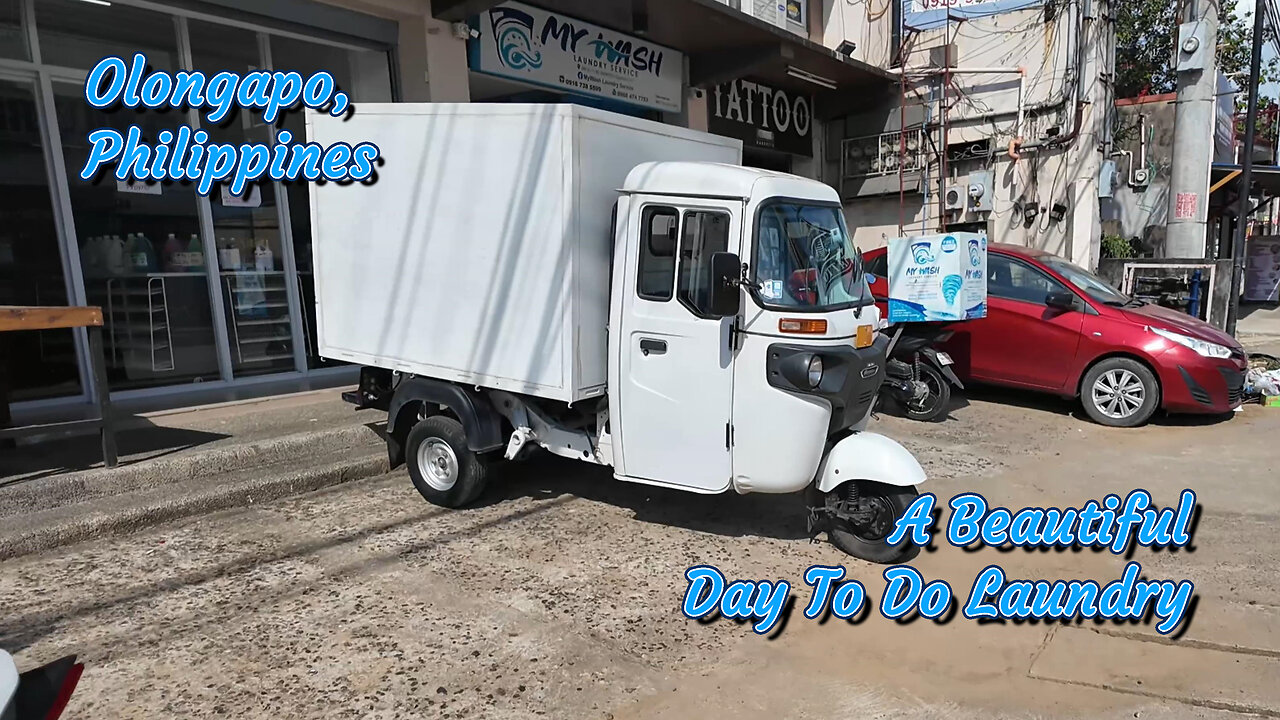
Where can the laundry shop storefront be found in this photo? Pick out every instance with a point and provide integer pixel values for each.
(200, 295)
(209, 299)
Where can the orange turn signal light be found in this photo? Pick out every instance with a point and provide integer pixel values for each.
(865, 338)
(798, 326)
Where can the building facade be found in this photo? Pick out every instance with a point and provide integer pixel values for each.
(210, 298)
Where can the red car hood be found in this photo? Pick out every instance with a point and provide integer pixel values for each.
(1163, 317)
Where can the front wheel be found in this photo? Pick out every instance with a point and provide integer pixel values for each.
(934, 404)
(1120, 392)
(864, 514)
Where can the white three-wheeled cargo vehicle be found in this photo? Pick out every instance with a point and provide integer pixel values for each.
(612, 290)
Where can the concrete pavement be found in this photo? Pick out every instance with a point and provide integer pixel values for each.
(559, 595)
(183, 463)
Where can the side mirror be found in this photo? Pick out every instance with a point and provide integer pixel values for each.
(725, 269)
(1061, 300)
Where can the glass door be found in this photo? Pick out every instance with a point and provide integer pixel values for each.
(36, 364)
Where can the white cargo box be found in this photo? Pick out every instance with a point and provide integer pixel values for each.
(482, 253)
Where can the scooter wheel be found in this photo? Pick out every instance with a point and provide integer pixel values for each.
(867, 541)
(935, 404)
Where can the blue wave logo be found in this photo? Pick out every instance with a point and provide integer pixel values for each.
(948, 244)
(975, 253)
(951, 285)
(513, 36)
(922, 253)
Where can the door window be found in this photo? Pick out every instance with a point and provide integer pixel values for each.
(658, 230)
(1014, 280)
(705, 233)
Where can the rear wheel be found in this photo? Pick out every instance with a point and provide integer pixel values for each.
(1120, 392)
(869, 511)
(443, 470)
(934, 404)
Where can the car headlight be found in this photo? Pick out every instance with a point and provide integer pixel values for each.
(815, 371)
(1202, 348)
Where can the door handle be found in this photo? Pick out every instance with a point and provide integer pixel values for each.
(657, 347)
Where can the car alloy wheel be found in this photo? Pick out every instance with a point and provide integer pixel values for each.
(1118, 393)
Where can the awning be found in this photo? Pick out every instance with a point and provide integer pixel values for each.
(1265, 178)
(723, 44)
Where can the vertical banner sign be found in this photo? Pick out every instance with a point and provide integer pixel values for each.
(938, 277)
(762, 117)
(532, 45)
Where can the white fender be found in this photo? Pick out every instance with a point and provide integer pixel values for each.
(8, 682)
(868, 456)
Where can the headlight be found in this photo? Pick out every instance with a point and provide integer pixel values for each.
(815, 371)
(1202, 348)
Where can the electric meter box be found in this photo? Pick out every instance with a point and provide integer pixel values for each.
(938, 277)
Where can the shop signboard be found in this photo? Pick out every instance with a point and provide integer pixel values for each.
(938, 277)
(930, 14)
(762, 117)
(536, 46)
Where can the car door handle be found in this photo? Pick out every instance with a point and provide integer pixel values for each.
(657, 347)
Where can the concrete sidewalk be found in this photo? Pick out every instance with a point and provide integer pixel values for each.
(180, 463)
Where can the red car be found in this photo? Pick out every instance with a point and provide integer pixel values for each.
(1055, 327)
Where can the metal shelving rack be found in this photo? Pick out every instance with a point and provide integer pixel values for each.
(137, 320)
(257, 324)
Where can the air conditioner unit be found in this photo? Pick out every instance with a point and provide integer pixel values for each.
(955, 198)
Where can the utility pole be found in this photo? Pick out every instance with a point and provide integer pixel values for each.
(1246, 173)
(1194, 117)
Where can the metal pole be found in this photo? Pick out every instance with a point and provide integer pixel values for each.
(1194, 115)
(1246, 173)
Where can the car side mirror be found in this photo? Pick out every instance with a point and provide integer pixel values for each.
(1061, 300)
(724, 270)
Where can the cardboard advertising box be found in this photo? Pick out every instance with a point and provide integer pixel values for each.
(938, 277)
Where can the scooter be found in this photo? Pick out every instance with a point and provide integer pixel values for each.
(38, 694)
(919, 377)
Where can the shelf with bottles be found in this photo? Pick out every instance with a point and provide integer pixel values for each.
(136, 255)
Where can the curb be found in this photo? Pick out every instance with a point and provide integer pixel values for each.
(43, 494)
(129, 513)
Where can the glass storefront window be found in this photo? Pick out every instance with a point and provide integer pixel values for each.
(141, 256)
(77, 34)
(13, 41)
(33, 365)
(246, 228)
(365, 77)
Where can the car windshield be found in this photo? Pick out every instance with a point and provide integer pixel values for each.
(1092, 285)
(805, 259)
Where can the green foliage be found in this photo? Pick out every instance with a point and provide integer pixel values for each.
(1114, 246)
(1145, 33)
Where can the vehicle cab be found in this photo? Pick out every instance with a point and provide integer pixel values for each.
(744, 351)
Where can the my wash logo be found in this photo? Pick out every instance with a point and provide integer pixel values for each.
(948, 244)
(975, 253)
(923, 253)
(513, 37)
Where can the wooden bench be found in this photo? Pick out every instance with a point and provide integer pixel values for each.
(15, 318)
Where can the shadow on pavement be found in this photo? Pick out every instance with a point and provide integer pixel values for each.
(140, 440)
(546, 476)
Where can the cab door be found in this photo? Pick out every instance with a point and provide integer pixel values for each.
(671, 400)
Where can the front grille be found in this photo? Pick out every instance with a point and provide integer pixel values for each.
(866, 397)
(1235, 385)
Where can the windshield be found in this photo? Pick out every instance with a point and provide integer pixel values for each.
(1092, 285)
(804, 258)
